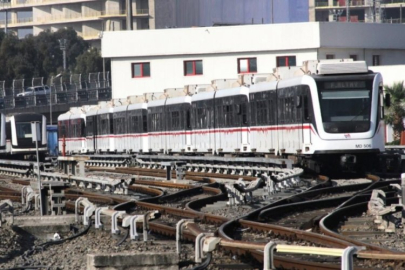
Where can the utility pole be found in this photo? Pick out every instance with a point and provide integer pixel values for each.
(62, 45)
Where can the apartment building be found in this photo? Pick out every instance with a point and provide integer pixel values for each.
(88, 17)
(369, 11)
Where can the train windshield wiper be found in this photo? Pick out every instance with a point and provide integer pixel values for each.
(360, 113)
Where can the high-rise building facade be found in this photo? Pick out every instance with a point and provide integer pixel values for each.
(369, 11)
(91, 17)
(88, 17)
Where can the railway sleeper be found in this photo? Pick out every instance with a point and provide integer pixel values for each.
(383, 213)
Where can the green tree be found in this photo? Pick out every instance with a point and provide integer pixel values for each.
(41, 55)
(396, 113)
(88, 62)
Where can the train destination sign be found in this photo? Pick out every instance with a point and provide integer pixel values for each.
(345, 85)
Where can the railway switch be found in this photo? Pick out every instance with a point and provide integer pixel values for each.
(383, 214)
(6, 206)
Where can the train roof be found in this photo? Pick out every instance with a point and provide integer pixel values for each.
(65, 116)
(105, 110)
(293, 81)
(156, 103)
(242, 90)
(203, 96)
(72, 115)
(178, 100)
(263, 86)
(122, 108)
(92, 112)
(137, 106)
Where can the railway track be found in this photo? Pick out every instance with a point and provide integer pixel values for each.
(188, 201)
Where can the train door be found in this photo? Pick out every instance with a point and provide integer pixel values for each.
(217, 125)
(244, 122)
(306, 121)
(300, 130)
(281, 121)
(95, 133)
(144, 138)
(273, 122)
(188, 144)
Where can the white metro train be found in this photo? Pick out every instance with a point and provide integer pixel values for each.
(332, 113)
(16, 136)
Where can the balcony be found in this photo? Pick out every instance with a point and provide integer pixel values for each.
(60, 19)
(342, 3)
(21, 4)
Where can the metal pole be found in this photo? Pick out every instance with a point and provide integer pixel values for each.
(5, 28)
(347, 10)
(129, 15)
(400, 13)
(50, 104)
(64, 58)
(272, 13)
(62, 46)
(38, 171)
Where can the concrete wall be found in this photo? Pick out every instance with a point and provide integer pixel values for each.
(391, 74)
(229, 39)
(168, 71)
(362, 35)
(92, 29)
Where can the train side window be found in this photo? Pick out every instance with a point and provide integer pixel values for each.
(83, 129)
(89, 126)
(144, 123)
(306, 109)
(228, 115)
(110, 121)
(261, 112)
(135, 123)
(238, 109)
(175, 120)
(272, 112)
(244, 114)
(188, 119)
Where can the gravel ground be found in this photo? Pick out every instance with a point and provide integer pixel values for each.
(71, 255)
(18, 249)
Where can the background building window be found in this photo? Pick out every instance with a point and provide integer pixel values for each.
(353, 56)
(330, 56)
(247, 65)
(376, 60)
(140, 70)
(193, 67)
(286, 61)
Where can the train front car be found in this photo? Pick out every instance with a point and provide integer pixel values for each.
(348, 117)
(20, 132)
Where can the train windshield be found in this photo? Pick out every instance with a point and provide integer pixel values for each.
(345, 105)
(24, 131)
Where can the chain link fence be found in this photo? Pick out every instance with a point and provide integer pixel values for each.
(75, 88)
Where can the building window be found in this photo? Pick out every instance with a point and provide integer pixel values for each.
(353, 56)
(286, 61)
(193, 68)
(247, 65)
(330, 56)
(376, 60)
(140, 70)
